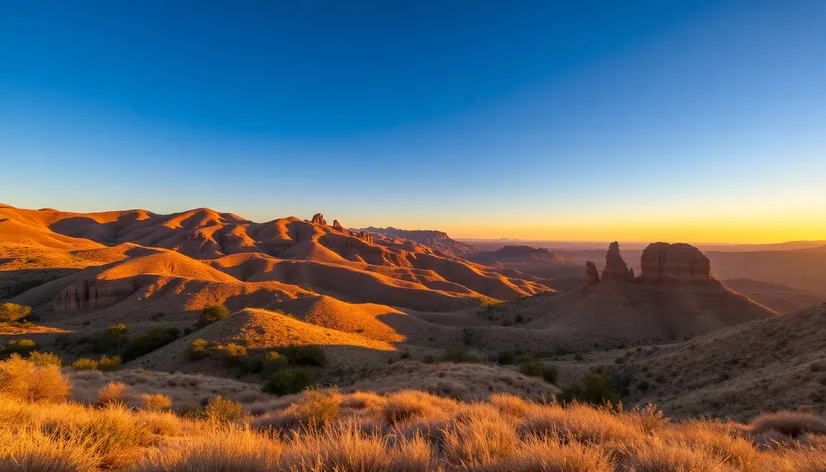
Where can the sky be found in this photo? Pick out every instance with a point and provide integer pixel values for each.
(697, 121)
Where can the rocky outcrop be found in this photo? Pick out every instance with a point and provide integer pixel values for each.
(591, 272)
(433, 239)
(615, 266)
(365, 236)
(336, 225)
(674, 262)
(90, 294)
(318, 219)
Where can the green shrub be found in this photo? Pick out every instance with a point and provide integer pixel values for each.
(108, 364)
(212, 313)
(21, 346)
(45, 358)
(531, 367)
(459, 353)
(198, 349)
(84, 363)
(550, 374)
(595, 388)
(223, 410)
(304, 355)
(235, 353)
(288, 381)
(112, 339)
(429, 359)
(13, 312)
(63, 340)
(506, 358)
(149, 341)
(274, 360)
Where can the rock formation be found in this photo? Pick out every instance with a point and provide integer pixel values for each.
(591, 272)
(674, 262)
(365, 236)
(336, 225)
(318, 219)
(615, 267)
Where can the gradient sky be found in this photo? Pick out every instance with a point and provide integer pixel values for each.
(699, 121)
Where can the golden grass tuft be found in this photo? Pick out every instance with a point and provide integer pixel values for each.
(32, 382)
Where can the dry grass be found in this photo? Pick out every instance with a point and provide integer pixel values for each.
(402, 431)
(32, 382)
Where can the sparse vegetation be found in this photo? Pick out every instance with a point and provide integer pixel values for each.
(212, 313)
(506, 358)
(594, 388)
(149, 341)
(85, 363)
(223, 410)
(20, 346)
(113, 394)
(288, 381)
(23, 379)
(459, 353)
(45, 358)
(274, 360)
(304, 355)
(111, 340)
(235, 353)
(198, 349)
(155, 402)
(402, 431)
(108, 364)
(10, 312)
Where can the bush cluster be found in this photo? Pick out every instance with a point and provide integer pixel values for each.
(13, 312)
(212, 313)
(304, 355)
(149, 341)
(288, 381)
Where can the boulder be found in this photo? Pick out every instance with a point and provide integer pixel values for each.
(615, 267)
(674, 262)
(591, 272)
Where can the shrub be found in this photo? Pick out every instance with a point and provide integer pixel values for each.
(304, 355)
(550, 374)
(595, 388)
(111, 339)
(198, 349)
(155, 402)
(149, 341)
(109, 364)
(459, 353)
(223, 410)
(22, 346)
(274, 361)
(63, 339)
(288, 381)
(113, 393)
(212, 313)
(531, 367)
(12, 312)
(318, 408)
(84, 363)
(235, 353)
(28, 381)
(45, 358)
(506, 358)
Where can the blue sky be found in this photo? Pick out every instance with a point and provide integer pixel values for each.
(574, 120)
